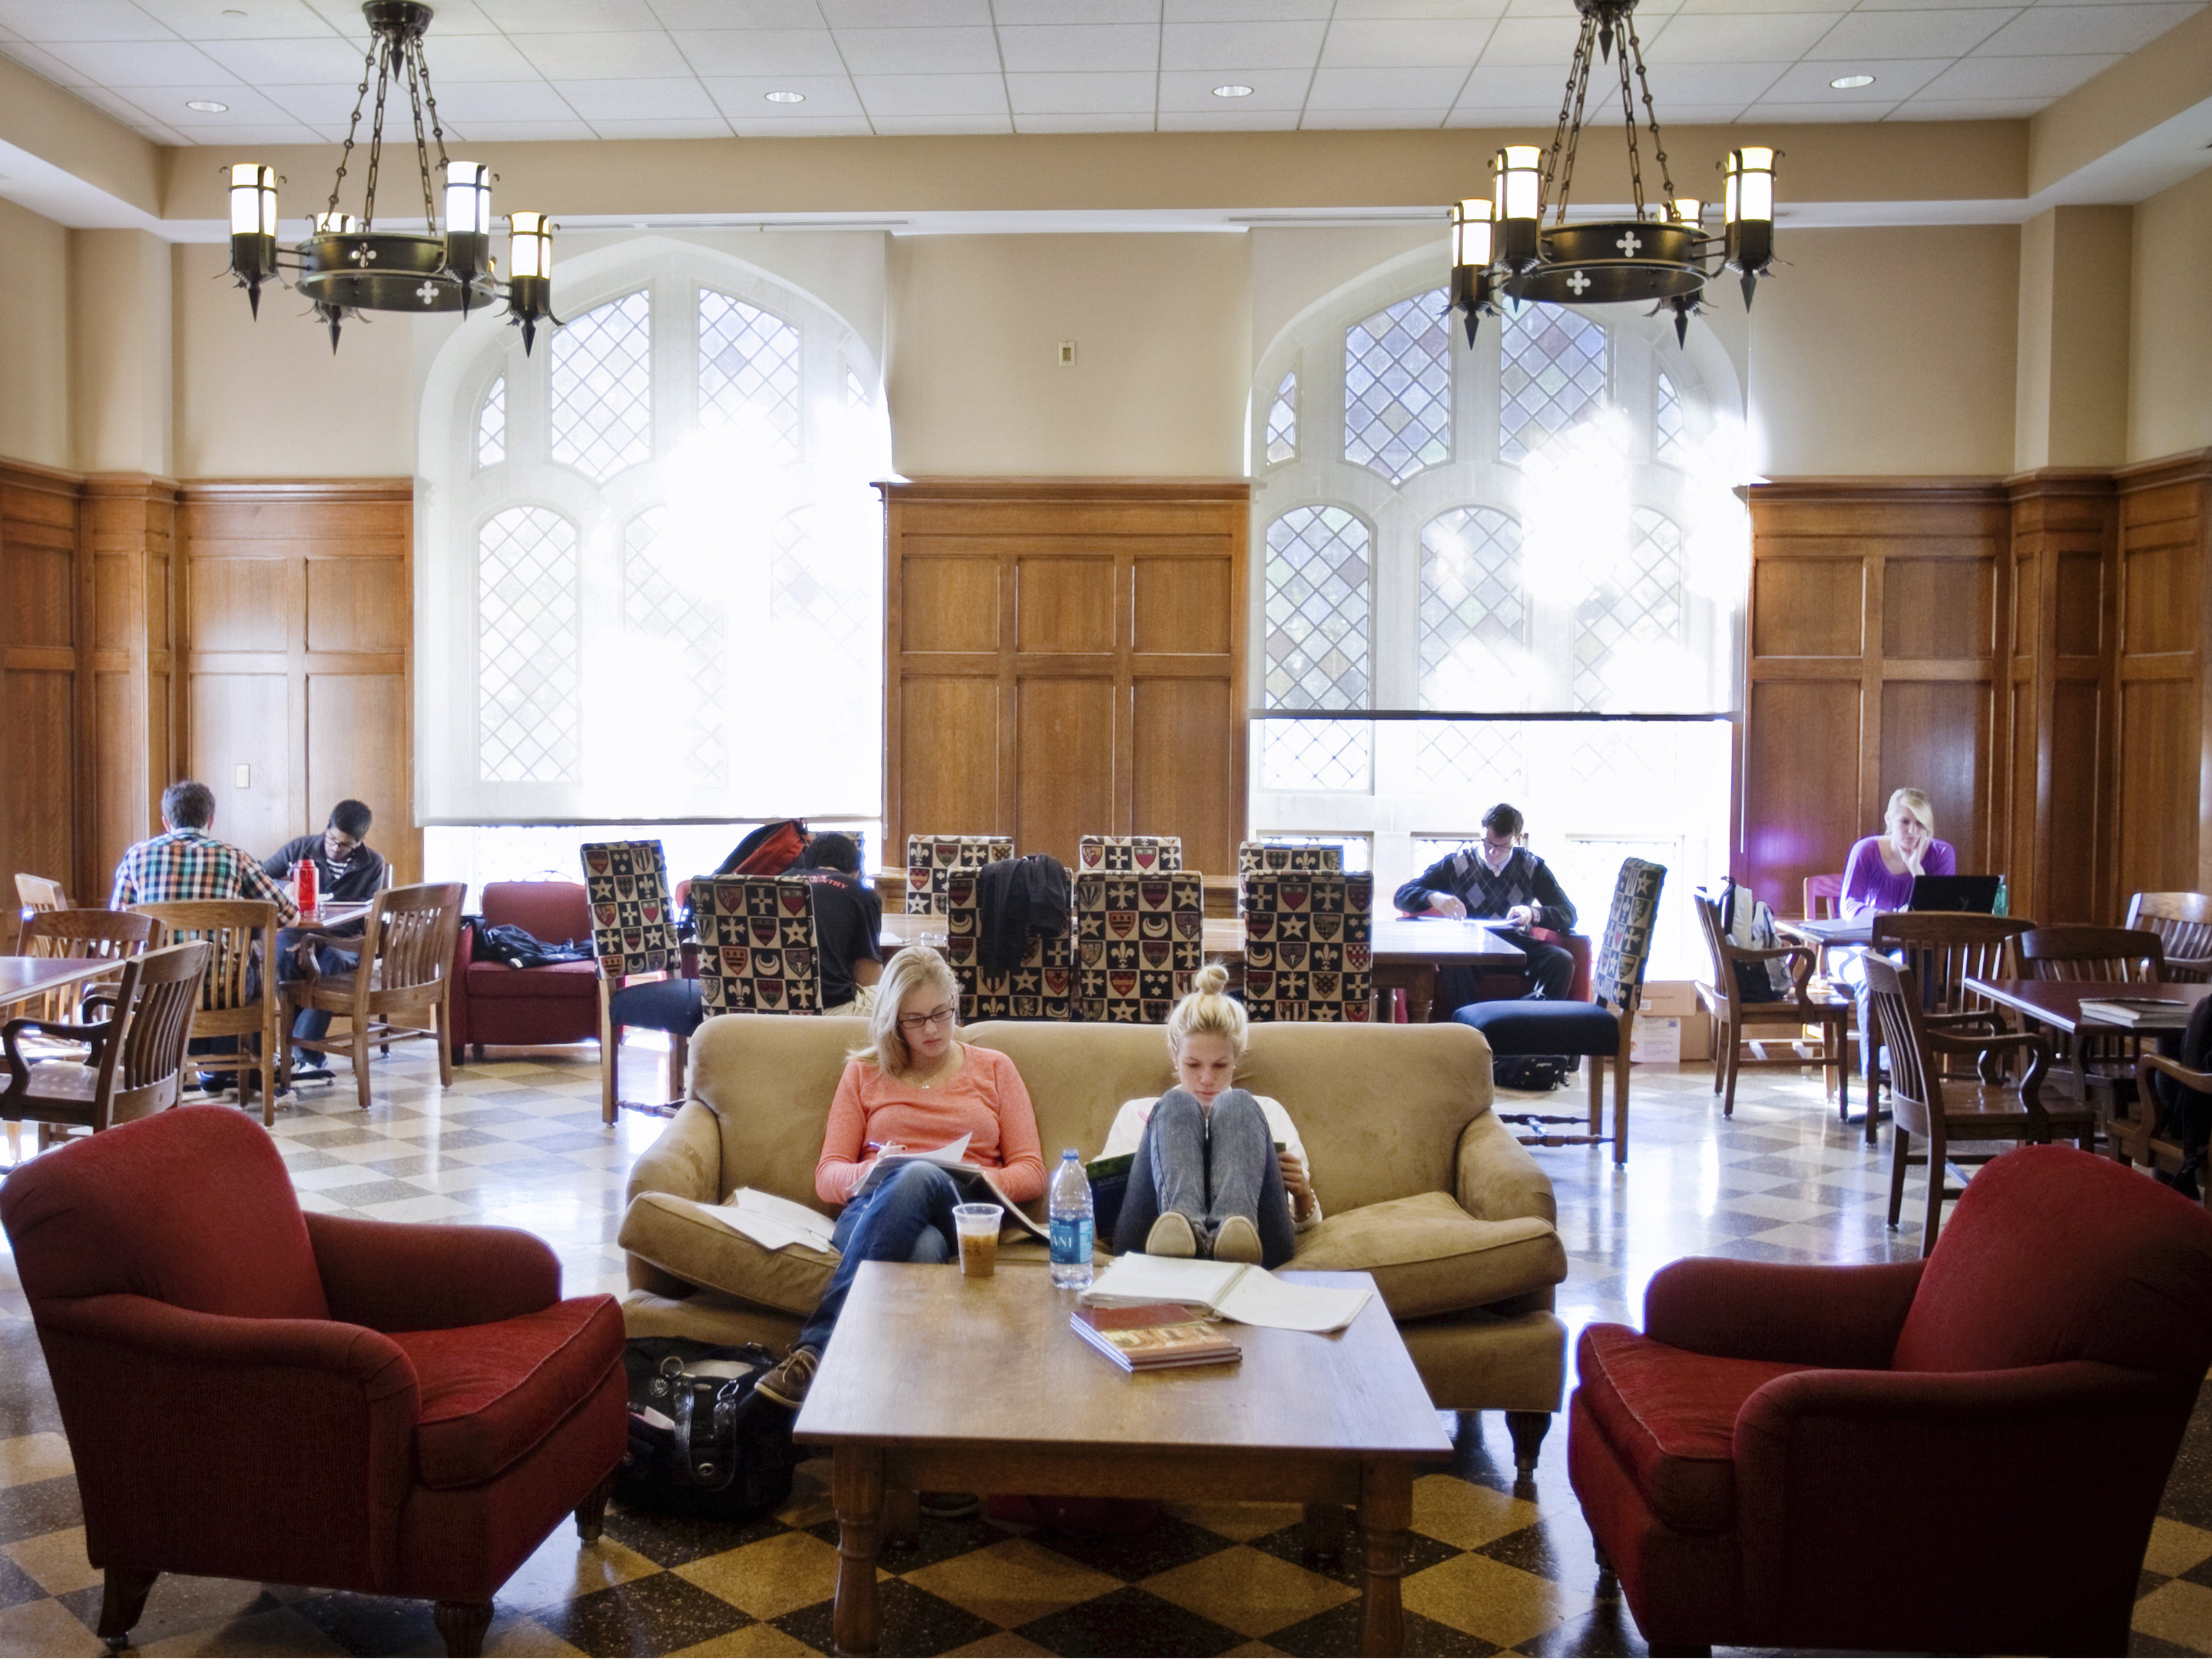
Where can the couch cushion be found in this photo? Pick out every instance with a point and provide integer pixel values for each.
(1670, 1416)
(489, 1392)
(1430, 1256)
(560, 981)
(679, 1236)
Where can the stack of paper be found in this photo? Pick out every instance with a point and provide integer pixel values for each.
(1249, 1294)
(771, 1222)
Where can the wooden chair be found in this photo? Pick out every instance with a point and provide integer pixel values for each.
(2104, 955)
(239, 998)
(79, 935)
(931, 860)
(135, 1063)
(1739, 1023)
(1309, 946)
(37, 893)
(2143, 1138)
(1923, 1101)
(2183, 922)
(641, 980)
(758, 950)
(401, 991)
(1824, 898)
(1943, 948)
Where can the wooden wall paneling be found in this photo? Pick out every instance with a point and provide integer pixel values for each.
(41, 633)
(127, 719)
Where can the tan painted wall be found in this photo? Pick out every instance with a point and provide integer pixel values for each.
(2071, 406)
(1887, 351)
(34, 331)
(2170, 352)
(1163, 329)
(123, 356)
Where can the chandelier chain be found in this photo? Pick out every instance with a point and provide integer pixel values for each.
(1571, 127)
(360, 97)
(429, 97)
(1658, 144)
(376, 135)
(411, 55)
(1628, 124)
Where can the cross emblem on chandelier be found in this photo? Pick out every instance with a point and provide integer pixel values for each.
(1629, 244)
(1578, 283)
(362, 254)
(428, 293)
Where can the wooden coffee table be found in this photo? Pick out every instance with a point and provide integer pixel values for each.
(941, 1383)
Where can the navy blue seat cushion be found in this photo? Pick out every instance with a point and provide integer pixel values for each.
(1544, 1027)
(660, 1004)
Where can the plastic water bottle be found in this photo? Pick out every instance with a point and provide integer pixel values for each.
(2003, 905)
(1069, 1209)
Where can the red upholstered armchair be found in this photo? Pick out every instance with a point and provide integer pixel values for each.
(252, 1392)
(1960, 1454)
(523, 1007)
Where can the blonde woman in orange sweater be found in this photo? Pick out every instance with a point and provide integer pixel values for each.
(916, 1086)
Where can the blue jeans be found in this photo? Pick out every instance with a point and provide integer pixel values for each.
(908, 1219)
(1210, 1166)
(313, 1023)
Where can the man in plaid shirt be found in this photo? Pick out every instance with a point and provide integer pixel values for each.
(185, 862)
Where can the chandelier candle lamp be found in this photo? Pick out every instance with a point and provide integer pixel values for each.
(347, 265)
(1502, 247)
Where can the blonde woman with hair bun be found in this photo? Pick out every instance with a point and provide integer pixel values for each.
(1207, 1178)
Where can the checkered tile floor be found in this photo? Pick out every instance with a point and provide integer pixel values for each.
(1491, 1568)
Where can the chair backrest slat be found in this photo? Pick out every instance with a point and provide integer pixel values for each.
(38, 893)
(2183, 922)
(1824, 897)
(2121, 955)
(415, 936)
(931, 860)
(1944, 948)
(143, 1072)
(1894, 994)
(236, 932)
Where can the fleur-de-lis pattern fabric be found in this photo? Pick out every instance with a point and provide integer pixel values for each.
(1139, 938)
(1628, 942)
(931, 859)
(1042, 988)
(758, 953)
(1309, 946)
(1136, 855)
(633, 924)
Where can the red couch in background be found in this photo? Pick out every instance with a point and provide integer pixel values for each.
(495, 1005)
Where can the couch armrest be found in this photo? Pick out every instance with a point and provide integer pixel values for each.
(686, 1162)
(1498, 1178)
(1847, 1318)
(423, 1276)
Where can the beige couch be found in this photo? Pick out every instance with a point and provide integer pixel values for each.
(1421, 1184)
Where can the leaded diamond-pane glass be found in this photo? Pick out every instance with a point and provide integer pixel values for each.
(1317, 604)
(749, 363)
(528, 647)
(678, 628)
(1283, 422)
(1670, 433)
(1316, 755)
(491, 425)
(806, 589)
(1397, 387)
(1487, 758)
(602, 385)
(1473, 617)
(1631, 609)
(1552, 375)
(856, 395)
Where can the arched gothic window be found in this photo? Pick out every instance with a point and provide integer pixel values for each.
(1283, 422)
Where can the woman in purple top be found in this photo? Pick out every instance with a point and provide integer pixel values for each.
(1878, 875)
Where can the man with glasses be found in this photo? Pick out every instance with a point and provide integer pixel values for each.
(1498, 880)
(347, 871)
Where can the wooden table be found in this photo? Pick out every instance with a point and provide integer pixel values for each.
(24, 979)
(941, 1383)
(2057, 1003)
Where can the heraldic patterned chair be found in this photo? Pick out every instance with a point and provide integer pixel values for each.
(1282, 858)
(1134, 854)
(931, 860)
(758, 950)
(1309, 952)
(1042, 984)
(641, 980)
(1599, 1030)
(1138, 941)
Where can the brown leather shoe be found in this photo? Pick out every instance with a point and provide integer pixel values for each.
(787, 1380)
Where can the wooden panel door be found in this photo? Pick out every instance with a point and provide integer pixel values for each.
(2164, 607)
(41, 636)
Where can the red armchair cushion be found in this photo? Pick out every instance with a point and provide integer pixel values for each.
(1669, 1416)
(555, 911)
(489, 1392)
(495, 981)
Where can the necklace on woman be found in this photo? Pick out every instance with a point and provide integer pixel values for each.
(950, 1062)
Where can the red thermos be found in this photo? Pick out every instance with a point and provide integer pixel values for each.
(306, 892)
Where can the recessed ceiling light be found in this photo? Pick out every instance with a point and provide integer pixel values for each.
(206, 106)
(1846, 82)
(1232, 90)
(784, 97)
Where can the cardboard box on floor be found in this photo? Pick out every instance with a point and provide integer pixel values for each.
(1679, 1029)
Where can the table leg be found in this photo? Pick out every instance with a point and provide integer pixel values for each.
(856, 1489)
(1386, 1509)
(1324, 1539)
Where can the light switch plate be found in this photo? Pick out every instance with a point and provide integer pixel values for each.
(244, 775)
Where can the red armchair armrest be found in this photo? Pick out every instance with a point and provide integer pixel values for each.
(1846, 1317)
(420, 1276)
(457, 992)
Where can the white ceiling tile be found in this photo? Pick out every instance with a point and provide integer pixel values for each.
(251, 139)
(207, 20)
(1068, 48)
(42, 62)
(709, 127)
(326, 107)
(1516, 86)
(915, 126)
(600, 101)
(1513, 116)
(919, 51)
(738, 15)
(1135, 121)
(84, 20)
(931, 94)
(2053, 29)
(2016, 77)
(1682, 112)
(523, 132)
(634, 55)
(454, 17)
(1272, 88)
(526, 17)
(1741, 39)
(478, 58)
(326, 60)
(1321, 118)
(1019, 13)
(1355, 11)
(1245, 11)
(1415, 90)
(1108, 91)
(1977, 109)
(1246, 45)
(1549, 41)
(1257, 120)
(475, 102)
(246, 108)
(142, 62)
(1895, 78)
(1705, 83)
(1785, 112)
(744, 97)
(1941, 33)
(111, 103)
(1739, 7)
(906, 14)
(802, 126)
(1380, 45)
(760, 52)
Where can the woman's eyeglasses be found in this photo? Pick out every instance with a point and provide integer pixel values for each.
(925, 1022)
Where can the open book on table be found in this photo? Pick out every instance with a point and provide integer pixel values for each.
(1245, 1292)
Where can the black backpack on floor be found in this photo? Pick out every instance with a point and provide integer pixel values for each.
(701, 1442)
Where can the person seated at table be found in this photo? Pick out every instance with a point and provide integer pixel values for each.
(347, 871)
(914, 1087)
(1206, 1178)
(1878, 875)
(1497, 880)
(848, 924)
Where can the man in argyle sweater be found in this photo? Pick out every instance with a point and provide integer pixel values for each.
(1497, 880)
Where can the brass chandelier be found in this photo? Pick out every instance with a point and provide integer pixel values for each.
(1502, 247)
(347, 265)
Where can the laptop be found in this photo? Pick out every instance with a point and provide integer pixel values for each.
(1977, 894)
